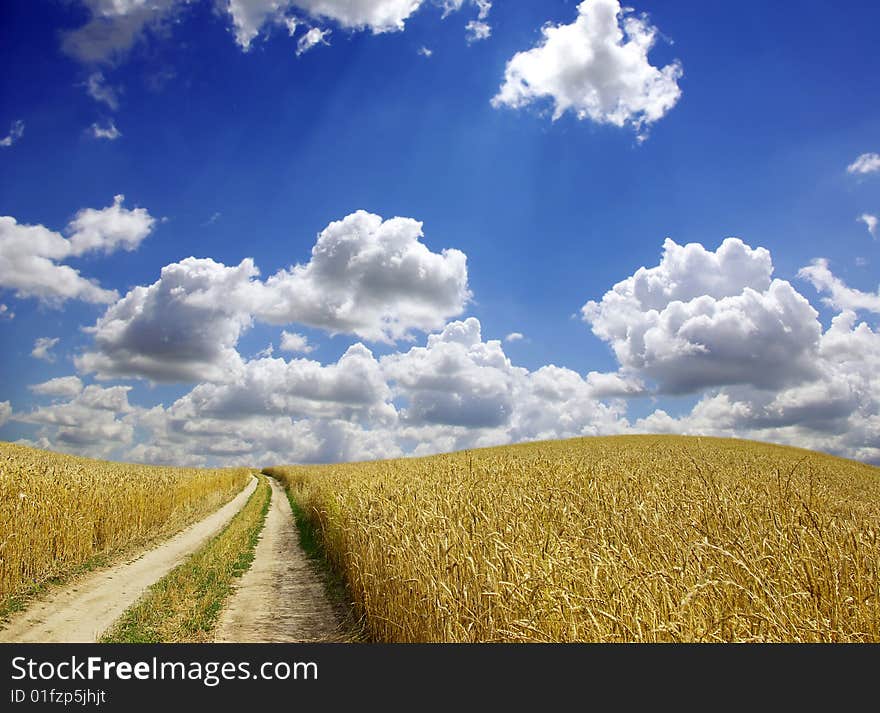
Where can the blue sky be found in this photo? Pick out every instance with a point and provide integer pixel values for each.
(235, 147)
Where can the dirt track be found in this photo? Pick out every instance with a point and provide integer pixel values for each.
(82, 610)
(280, 598)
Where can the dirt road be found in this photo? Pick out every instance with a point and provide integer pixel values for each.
(84, 609)
(280, 598)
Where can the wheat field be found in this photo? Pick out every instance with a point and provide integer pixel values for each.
(619, 539)
(59, 512)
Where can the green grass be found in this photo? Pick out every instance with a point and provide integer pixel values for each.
(185, 604)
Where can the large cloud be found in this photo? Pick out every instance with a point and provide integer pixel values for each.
(701, 319)
(30, 255)
(597, 67)
(352, 389)
(456, 391)
(372, 278)
(277, 411)
(91, 421)
(457, 379)
(460, 391)
(366, 276)
(183, 327)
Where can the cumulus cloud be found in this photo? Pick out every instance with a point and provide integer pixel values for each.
(91, 421)
(315, 36)
(352, 389)
(293, 342)
(514, 337)
(701, 319)
(98, 89)
(459, 391)
(279, 411)
(835, 412)
(183, 327)
(366, 276)
(870, 222)
(673, 324)
(43, 347)
(16, 131)
(841, 297)
(108, 132)
(597, 67)
(109, 229)
(30, 255)
(5, 412)
(425, 52)
(63, 386)
(457, 379)
(864, 164)
(370, 277)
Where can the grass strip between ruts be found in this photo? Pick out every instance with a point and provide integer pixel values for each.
(184, 606)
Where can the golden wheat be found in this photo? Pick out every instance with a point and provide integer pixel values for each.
(606, 539)
(59, 512)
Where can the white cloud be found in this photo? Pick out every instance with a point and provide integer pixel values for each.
(836, 411)
(870, 222)
(841, 297)
(249, 16)
(514, 337)
(109, 132)
(701, 319)
(597, 67)
(293, 342)
(372, 278)
(866, 163)
(183, 327)
(315, 36)
(42, 348)
(461, 392)
(5, 412)
(109, 229)
(425, 52)
(366, 276)
(5, 313)
(16, 131)
(477, 30)
(63, 386)
(455, 392)
(375, 15)
(100, 91)
(93, 421)
(456, 380)
(352, 389)
(30, 254)
(115, 26)
(605, 385)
